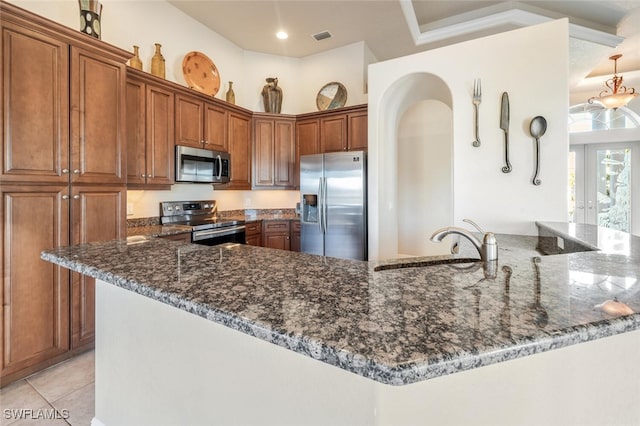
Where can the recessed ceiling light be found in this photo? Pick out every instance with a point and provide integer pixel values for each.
(282, 35)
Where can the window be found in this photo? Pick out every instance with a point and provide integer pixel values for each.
(589, 117)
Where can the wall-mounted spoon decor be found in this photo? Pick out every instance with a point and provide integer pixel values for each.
(504, 125)
(537, 128)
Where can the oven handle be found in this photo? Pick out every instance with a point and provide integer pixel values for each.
(201, 235)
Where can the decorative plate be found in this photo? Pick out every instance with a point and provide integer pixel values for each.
(200, 73)
(332, 95)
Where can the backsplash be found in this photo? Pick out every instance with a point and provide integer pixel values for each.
(155, 220)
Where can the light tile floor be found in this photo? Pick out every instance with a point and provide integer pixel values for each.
(67, 387)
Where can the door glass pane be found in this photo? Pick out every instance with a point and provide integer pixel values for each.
(613, 192)
(572, 186)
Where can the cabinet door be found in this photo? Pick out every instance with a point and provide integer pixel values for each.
(240, 151)
(276, 234)
(34, 301)
(263, 156)
(136, 138)
(295, 235)
(189, 125)
(333, 133)
(307, 142)
(160, 156)
(215, 128)
(358, 131)
(35, 106)
(277, 241)
(97, 214)
(98, 88)
(284, 154)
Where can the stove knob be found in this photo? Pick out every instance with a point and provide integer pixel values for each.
(169, 208)
(177, 207)
(206, 206)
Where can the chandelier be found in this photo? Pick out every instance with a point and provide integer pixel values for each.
(615, 95)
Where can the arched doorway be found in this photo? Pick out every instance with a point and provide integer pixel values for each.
(415, 185)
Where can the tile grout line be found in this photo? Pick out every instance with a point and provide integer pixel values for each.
(49, 403)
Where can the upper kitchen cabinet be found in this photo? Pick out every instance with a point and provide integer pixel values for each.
(63, 103)
(274, 151)
(343, 129)
(150, 132)
(97, 118)
(358, 130)
(200, 124)
(239, 138)
(35, 105)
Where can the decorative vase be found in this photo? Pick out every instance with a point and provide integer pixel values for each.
(157, 63)
(231, 96)
(135, 61)
(90, 11)
(272, 95)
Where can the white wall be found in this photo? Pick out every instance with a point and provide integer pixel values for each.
(425, 196)
(536, 79)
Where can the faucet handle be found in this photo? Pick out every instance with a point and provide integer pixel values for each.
(474, 224)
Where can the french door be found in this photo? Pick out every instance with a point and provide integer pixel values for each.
(604, 185)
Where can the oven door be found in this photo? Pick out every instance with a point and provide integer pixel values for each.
(212, 237)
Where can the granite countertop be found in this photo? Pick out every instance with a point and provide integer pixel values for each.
(396, 325)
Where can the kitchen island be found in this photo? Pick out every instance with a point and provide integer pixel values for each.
(246, 335)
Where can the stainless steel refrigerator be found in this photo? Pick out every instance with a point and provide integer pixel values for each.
(333, 192)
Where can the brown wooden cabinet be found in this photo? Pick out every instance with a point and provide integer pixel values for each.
(253, 233)
(63, 181)
(295, 235)
(240, 151)
(150, 133)
(35, 107)
(97, 118)
(276, 234)
(358, 130)
(333, 133)
(200, 124)
(35, 294)
(274, 152)
(98, 213)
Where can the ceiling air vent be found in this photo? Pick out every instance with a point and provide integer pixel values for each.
(322, 35)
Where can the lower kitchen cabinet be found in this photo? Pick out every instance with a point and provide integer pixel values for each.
(276, 234)
(98, 213)
(253, 231)
(48, 312)
(35, 294)
(295, 235)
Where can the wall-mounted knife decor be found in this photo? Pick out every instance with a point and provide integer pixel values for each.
(477, 98)
(504, 125)
(537, 128)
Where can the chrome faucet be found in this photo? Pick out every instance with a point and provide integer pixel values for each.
(488, 248)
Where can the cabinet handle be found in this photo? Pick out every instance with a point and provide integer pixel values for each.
(76, 197)
(65, 197)
(76, 171)
(206, 142)
(143, 175)
(65, 171)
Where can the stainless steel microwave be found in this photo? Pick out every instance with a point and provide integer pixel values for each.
(201, 165)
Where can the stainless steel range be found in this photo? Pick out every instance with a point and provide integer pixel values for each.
(202, 216)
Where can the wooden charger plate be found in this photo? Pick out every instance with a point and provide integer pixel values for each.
(200, 73)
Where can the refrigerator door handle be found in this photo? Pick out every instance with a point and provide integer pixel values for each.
(319, 202)
(325, 218)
